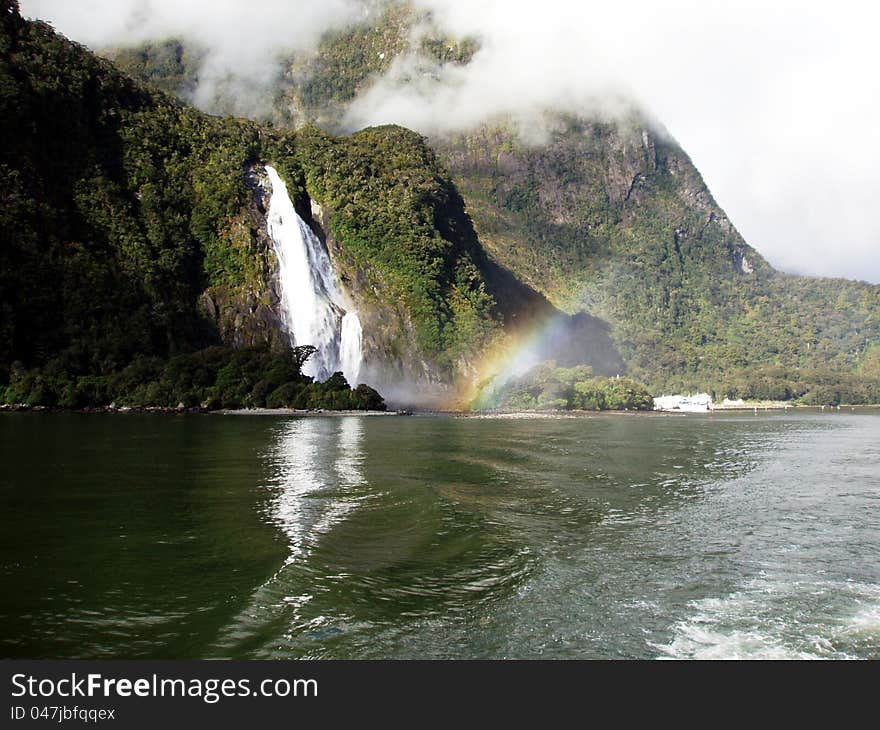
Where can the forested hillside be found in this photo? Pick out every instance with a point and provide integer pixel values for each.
(134, 230)
(612, 217)
(609, 216)
(134, 227)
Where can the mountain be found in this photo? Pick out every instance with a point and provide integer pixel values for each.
(392, 37)
(135, 226)
(612, 217)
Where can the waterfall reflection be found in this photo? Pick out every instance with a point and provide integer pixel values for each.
(317, 461)
(315, 480)
(350, 456)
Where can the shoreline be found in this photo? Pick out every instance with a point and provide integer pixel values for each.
(163, 410)
(296, 412)
(523, 415)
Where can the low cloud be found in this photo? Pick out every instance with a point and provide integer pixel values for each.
(776, 102)
(243, 31)
(242, 40)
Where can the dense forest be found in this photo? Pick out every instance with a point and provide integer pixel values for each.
(400, 222)
(135, 268)
(121, 208)
(548, 387)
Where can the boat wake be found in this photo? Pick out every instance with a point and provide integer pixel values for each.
(772, 620)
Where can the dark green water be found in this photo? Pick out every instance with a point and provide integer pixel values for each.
(620, 536)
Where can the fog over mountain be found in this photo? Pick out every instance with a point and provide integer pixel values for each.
(776, 102)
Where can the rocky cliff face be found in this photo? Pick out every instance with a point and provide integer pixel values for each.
(604, 218)
(558, 211)
(393, 362)
(248, 314)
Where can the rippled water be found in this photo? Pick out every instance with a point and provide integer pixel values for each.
(612, 536)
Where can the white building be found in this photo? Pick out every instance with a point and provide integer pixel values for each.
(699, 403)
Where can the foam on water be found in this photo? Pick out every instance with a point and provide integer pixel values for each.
(770, 620)
(867, 623)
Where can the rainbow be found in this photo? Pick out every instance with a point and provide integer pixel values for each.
(508, 356)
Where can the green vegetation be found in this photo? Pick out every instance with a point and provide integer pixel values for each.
(313, 87)
(548, 387)
(216, 377)
(399, 219)
(612, 218)
(318, 88)
(345, 62)
(808, 386)
(170, 65)
(117, 206)
(129, 229)
(121, 208)
(443, 49)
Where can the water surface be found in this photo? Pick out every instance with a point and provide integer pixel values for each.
(436, 537)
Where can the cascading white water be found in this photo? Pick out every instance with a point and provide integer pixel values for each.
(351, 347)
(312, 309)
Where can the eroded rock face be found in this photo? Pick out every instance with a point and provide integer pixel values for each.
(573, 197)
(392, 360)
(247, 314)
(609, 217)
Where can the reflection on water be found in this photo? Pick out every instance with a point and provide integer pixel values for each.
(315, 461)
(350, 458)
(432, 537)
(370, 550)
(314, 472)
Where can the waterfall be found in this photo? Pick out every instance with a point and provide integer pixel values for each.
(350, 347)
(312, 309)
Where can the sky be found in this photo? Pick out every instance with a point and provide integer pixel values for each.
(776, 102)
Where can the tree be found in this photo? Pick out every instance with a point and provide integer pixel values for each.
(368, 399)
(301, 353)
(336, 381)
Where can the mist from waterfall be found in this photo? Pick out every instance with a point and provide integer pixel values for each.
(312, 305)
